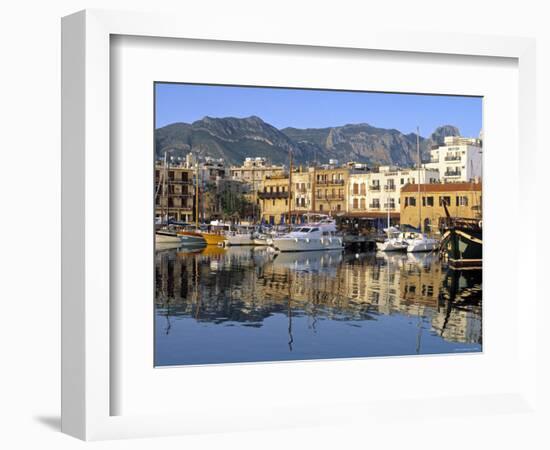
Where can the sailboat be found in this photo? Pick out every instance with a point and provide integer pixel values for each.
(420, 242)
(165, 233)
(395, 241)
(192, 237)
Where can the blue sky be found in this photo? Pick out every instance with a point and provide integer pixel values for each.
(303, 108)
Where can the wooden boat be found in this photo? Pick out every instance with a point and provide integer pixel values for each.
(216, 233)
(462, 241)
(191, 238)
(213, 238)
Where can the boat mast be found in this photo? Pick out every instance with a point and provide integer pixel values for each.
(419, 165)
(197, 196)
(289, 187)
(164, 192)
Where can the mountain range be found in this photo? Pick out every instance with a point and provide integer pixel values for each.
(234, 139)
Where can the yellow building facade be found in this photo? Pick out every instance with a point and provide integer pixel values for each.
(330, 188)
(423, 210)
(274, 197)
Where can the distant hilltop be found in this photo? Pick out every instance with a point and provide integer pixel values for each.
(234, 139)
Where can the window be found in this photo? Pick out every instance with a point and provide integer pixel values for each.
(402, 180)
(363, 206)
(461, 200)
(338, 207)
(320, 207)
(444, 200)
(355, 203)
(355, 188)
(410, 201)
(427, 201)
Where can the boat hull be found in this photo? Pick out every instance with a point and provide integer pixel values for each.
(284, 244)
(428, 245)
(167, 238)
(464, 248)
(189, 238)
(240, 239)
(391, 246)
(213, 239)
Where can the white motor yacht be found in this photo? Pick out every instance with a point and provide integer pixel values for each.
(317, 235)
(421, 243)
(395, 242)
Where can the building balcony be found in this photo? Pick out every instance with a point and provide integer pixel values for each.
(455, 173)
(171, 181)
(272, 195)
(330, 197)
(374, 205)
(389, 188)
(330, 182)
(181, 194)
(390, 206)
(453, 158)
(374, 187)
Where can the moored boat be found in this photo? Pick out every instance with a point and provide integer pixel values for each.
(216, 233)
(462, 241)
(394, 242)
(312, 236)
(421, 243)
(243, 235)
(167, 236)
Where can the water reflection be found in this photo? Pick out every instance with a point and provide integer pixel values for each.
(248, 304)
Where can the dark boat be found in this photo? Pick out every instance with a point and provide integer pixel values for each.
(462, 241)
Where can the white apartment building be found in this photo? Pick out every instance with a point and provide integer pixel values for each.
(458, 160)
(379, 190)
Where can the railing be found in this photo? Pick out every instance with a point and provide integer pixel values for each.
(374, 187)
(453, 158)
(330, 197)
(180, 181)
(452, 174)
(181, 194)
(330, 182)
(389, 206)
(374, 206)
(389, 187)
(272, 195)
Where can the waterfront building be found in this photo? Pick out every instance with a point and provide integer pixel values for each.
(253, 171)
(273, 198)
(457, 160)
(330, 186)
(424, 209)
(302, 180)
(175, 192)
(378, 191)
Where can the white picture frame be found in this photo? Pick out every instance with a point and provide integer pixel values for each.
(87, 325)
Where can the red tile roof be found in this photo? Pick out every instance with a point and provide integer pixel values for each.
(442, 187)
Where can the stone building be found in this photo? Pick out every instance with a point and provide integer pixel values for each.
(424, 209)
(174, 192)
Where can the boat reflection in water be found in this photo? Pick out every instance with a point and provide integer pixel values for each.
(247, 304)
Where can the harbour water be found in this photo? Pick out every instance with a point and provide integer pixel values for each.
(248, 304)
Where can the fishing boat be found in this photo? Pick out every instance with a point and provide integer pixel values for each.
(216, 233)
(311, 236)
(462, 241)
(191, 238)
